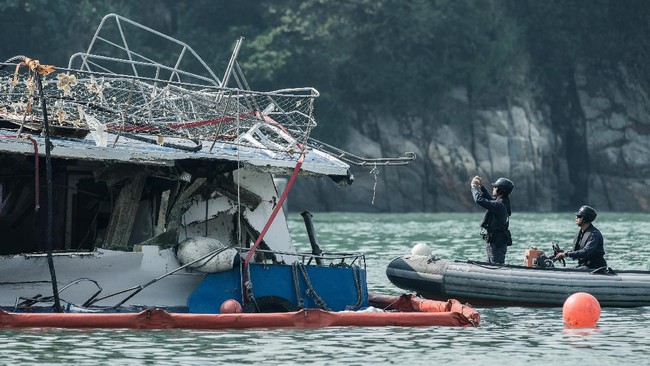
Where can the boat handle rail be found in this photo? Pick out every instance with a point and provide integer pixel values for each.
(357, 160)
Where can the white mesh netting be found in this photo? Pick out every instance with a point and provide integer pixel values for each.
(125, 104)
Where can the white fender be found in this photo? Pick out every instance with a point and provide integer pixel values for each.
(421, 249)
(194, 248)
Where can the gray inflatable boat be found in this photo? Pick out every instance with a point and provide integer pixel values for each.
(481, 283)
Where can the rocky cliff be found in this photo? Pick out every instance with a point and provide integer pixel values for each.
(584, 143)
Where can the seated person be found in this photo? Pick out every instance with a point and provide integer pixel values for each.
(588, 246)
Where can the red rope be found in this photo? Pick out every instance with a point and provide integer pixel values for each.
(155, 129)
(277, 208)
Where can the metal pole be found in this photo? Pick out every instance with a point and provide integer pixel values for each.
(231, 63)
(48, 174)
(313, 239)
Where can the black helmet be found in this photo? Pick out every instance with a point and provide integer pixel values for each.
(504, 186)
(587, 213)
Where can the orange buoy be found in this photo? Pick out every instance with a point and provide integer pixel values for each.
(231, 306)
(581, 310)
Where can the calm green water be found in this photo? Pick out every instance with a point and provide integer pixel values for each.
(507, 335)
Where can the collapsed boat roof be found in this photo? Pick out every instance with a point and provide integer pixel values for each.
(115, 104)
(129, 150)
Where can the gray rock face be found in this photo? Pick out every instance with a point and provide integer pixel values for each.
(590, 148)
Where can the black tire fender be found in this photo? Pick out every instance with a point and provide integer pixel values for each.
(270, 304)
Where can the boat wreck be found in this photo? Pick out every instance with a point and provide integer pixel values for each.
(132, 186)
(537, 282)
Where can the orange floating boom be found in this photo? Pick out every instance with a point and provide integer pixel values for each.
(417, 312)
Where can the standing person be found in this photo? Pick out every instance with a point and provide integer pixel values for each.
(496, 222)
(588, 245)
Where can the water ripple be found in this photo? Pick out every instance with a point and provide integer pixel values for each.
(515, 335)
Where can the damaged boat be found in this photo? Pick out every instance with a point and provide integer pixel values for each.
(136, 188)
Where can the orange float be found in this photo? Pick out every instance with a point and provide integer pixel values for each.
(581, 310)
(231, 306)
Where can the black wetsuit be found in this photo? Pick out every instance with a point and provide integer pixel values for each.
(496, 224)
(589, 248)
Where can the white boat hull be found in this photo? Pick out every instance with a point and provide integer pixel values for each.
(26, 276)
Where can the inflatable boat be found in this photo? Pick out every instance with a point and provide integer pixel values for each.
(542, 284)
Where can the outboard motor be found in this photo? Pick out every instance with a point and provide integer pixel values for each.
(544, 261)
(313, 240)
(534, 257)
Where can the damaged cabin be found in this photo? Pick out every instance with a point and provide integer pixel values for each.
(114, 205)
(131, 150)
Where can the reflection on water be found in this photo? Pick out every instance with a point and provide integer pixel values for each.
(507, 335)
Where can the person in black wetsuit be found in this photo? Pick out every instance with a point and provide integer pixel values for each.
(588, 245)
(496, 222)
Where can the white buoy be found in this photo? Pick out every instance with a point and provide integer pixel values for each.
(422, 249)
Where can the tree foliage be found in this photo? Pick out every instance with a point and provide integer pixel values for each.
(386, 55)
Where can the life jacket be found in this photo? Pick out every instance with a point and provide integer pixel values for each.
(595, 259)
